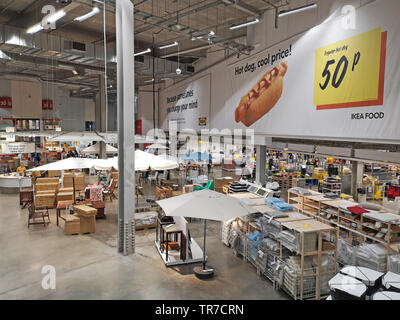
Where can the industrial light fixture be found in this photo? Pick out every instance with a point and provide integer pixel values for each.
(75, 72)
(212, 33)
(88, 15)
(147, 81)
(142, 52)
(56, 16)
(169, 45)
(36, 28)
(244, 24)
(297, 10)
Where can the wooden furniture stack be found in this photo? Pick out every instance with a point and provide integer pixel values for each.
(45, 192)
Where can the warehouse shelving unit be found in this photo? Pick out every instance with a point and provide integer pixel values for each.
(324, 245)
(331, 211)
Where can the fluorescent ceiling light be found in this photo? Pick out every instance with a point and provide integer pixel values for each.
(147, 81)
(244, 24)
(36, 28)
(142, 52)
(88, 15)
(56, 16)
(297, 10)
(169, 45)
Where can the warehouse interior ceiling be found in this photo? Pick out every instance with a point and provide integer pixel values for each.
(50, 55)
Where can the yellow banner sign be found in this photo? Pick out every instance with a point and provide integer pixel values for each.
(350, 73)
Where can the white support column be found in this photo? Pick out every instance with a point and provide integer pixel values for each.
(260, 163)
(356, 177)
(126, 122)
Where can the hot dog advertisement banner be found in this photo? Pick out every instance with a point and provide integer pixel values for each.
(188, 105)
(331, 81)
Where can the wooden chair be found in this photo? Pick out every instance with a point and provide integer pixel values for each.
(110, 191)
(34, 214)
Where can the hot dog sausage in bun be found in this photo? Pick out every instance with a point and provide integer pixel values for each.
(262, 97)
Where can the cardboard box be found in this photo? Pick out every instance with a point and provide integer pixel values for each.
(72, 225)
(61, 196)
(188, 188)
(87, 217)
(63, 190)
(45, 200)
(220, 182)
(68, 180)
(79, 181)
(47, 180)
(54, 173)
(47, 187)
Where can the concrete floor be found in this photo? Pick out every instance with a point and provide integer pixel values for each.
(89, 267)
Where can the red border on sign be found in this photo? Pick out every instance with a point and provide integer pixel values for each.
(379, 101)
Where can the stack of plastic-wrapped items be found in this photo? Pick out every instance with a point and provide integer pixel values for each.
(300, 191)
(278, 204)
(254, 240)
(394, 263)
(270, 227)
(372, 256)
(145, 218)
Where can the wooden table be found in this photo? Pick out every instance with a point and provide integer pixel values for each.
(62, 205)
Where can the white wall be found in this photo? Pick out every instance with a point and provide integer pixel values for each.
(5, 91)
(72, 111)
(145, 107)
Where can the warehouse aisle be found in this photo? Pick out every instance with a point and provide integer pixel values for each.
(87, 268)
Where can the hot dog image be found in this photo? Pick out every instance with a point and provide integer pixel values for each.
(262, 97)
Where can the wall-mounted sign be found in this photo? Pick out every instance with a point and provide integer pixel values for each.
(17, 147)
(6, 102)
(47, 104)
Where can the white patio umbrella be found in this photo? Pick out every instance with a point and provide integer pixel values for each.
(157, 146)
(144, 160)
(95, 149)
(70, 164)
(208, 205)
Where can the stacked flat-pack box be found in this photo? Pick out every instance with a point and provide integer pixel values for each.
(47, 180)
(45, 200)
(68, 180)
(47, 187)
(61, 196)
(87, 217)
(72, 225)
(79, 181)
